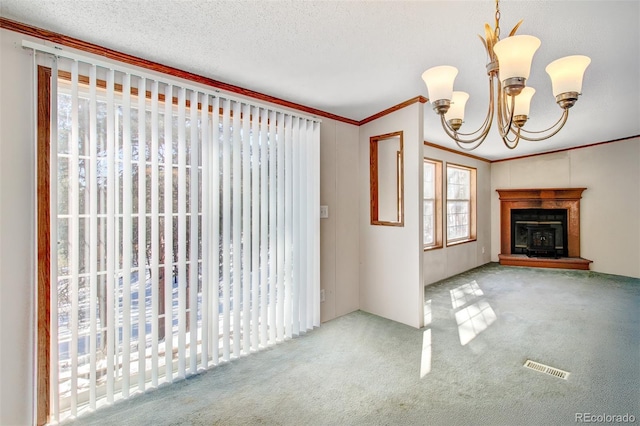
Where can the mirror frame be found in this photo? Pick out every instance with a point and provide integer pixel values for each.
(373, 179)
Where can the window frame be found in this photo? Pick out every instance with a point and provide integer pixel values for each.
(44, 241)
(437, 202)
(472, 205)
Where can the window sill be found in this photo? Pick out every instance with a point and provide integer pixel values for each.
(459, 242)
(429, 248)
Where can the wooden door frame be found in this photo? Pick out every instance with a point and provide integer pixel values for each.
(43, 331)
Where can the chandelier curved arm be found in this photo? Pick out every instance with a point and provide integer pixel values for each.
(504, 127)
(486, 125)
(454, 135)
(467, 148)
(555, 128)
(504, 111)
(509, 143)
(466, 145)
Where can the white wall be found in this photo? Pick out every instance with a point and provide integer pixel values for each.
(609, 209)
(448, 261)
(17, 231)
(339, 233)
(391, 256)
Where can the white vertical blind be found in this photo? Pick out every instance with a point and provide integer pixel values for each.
(297, 213)
(188, 227)
(194, 237)
(226, 230)
(142, 233)
(54, 386)
(213, 236)
(255, 228)
(206, 229)
(304, 246)
(273, 231)
(264, 228)
(94, 235)
(127, 214)
(110, 279)
(313, 177)
(155, 245)
(236, 245)
(280, 226)
(287, 306)
(169, 226)
(246, 229)
(74, 236)
(182, 233)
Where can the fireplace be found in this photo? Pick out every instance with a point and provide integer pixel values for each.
(541, 227)
(541, 241)
(530, 228)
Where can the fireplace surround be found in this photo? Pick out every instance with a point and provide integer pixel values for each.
(557, 208)
(526, 224)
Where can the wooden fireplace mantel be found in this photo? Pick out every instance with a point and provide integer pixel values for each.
(542, 198)
(543, 194)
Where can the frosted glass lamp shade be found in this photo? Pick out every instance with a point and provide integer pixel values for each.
(523, 101)
(567, 73)
(515, 54)
(458, 102)
(439, 81)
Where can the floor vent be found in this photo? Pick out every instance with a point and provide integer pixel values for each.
(546, 369)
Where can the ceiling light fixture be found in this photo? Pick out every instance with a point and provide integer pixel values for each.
(508, 69)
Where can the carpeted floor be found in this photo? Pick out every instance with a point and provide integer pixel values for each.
(464, 368)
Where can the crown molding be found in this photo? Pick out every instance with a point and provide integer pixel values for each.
(394, 108)
(95, 49)
(466, 154)
(565, 149)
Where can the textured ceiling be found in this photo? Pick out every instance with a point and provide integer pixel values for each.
(356, 58)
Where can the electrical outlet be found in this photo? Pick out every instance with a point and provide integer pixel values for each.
(483, 250)
(322, 295)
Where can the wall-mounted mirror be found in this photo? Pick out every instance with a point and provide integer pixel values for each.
(387, 179)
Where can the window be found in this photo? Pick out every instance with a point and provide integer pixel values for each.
(182, 229)
(432, 204)
(461, 203)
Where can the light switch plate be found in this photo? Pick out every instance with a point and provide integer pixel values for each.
(324, 212)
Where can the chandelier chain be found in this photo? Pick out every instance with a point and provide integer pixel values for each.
(497, 29)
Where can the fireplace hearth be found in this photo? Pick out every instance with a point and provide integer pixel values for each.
(541, 227)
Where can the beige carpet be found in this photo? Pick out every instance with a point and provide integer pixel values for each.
(464, 368)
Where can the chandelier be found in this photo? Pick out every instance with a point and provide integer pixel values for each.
(508, 69)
